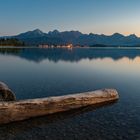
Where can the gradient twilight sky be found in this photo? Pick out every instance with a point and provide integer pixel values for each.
(96, 16)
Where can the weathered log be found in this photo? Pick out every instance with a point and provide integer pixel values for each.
(6, 93)
(25, 109)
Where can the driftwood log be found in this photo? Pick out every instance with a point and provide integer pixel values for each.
(25, 109)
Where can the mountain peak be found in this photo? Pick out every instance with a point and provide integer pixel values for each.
(37, 31)
(118, 35)
(31, 34)
(132, 36)
(54, 32)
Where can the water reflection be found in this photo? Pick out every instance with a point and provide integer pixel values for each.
(34, 73)
(74, 55)
(20, 128)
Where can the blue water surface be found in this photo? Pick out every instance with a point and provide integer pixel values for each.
(37, 73)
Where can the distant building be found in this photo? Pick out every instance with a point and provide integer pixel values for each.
(43, 46)
(69, 46)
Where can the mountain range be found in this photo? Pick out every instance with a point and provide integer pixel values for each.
(55, 37)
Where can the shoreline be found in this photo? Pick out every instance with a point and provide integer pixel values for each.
(20, 47)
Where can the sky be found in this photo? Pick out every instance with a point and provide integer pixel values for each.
(87, 16)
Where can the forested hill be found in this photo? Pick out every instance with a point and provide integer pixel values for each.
(11, 42)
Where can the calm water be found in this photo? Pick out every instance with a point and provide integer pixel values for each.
(35, 73)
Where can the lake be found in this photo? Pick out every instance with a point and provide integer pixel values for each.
(36, 73)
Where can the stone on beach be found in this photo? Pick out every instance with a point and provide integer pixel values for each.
(6, 93)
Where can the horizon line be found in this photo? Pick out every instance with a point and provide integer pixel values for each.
(71, 31)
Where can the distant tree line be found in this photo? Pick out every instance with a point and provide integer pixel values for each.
(11, 42)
